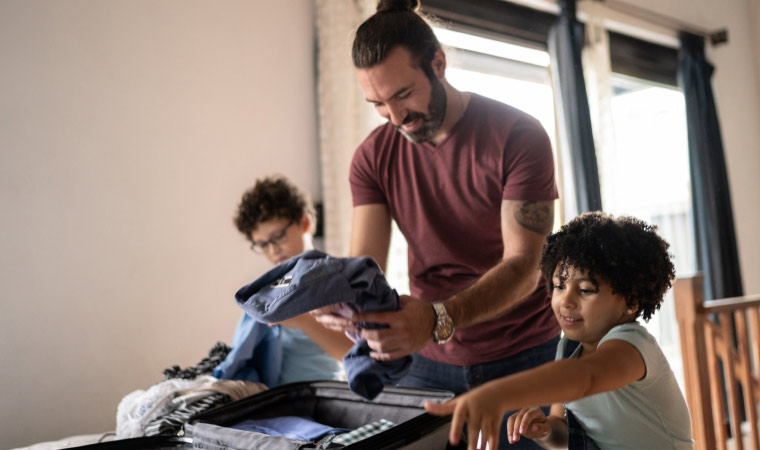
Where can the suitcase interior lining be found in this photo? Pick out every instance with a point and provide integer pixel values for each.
(328, 403)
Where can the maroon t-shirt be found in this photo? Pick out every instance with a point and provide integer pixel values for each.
(446, 199)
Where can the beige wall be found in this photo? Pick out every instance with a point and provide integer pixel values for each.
(754, 23)
(128, 131)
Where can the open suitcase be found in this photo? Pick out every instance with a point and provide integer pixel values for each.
(330, 403)
(327, 402)
(143, 443)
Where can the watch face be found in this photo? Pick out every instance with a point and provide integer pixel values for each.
(444, 330)
(444, 326)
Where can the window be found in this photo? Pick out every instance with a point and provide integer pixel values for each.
(645, 173)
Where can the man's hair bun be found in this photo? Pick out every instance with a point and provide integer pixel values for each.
(398, 5)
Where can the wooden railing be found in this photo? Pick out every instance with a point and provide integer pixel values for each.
(720, 345)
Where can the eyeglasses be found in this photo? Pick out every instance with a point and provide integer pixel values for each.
(276, 238)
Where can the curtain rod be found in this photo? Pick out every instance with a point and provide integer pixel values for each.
(716, 37)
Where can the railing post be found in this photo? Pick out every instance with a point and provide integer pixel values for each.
(688, 296)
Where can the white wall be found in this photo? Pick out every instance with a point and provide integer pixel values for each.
(128, 131)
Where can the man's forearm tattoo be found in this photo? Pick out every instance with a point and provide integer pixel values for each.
(535, 216)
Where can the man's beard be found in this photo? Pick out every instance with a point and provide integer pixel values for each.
(432, 122)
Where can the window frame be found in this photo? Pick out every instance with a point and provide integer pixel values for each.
(509, 22)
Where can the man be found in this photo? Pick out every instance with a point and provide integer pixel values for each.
(470, 182)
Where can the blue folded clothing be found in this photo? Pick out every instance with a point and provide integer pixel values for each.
(314, 279)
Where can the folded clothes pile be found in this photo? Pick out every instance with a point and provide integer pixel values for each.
(166, 406)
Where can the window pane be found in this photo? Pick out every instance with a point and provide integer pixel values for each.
(645, 173)
(535, 98)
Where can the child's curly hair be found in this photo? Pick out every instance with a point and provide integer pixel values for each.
(271, 198)
(625, 252)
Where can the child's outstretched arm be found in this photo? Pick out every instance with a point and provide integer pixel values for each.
(613, 365)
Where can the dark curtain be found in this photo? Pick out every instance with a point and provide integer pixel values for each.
(717, 254)
(565, 44)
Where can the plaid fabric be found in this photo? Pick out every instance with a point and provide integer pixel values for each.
(206, 367)
(171, 423)
(363, 432)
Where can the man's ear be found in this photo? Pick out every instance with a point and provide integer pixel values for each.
(439, 64)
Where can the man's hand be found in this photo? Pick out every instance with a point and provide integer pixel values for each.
(409, 329)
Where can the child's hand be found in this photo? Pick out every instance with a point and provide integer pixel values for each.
(481, 411)
(529, 422)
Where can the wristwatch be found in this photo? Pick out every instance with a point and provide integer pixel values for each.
(443, 330)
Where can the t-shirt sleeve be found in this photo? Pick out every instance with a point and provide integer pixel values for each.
(637, 336)
(529, 163)
(366, 187)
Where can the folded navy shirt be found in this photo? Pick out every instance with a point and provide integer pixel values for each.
(314, 279)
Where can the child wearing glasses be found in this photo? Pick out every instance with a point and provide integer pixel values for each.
(615, 389)
(278, 219)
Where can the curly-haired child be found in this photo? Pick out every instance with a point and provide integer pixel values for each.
(616, 389)
(279, 221)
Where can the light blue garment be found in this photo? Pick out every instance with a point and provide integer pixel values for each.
(256, 354)
(304, 360)
(294, 427)
(648, 413)
(274, 356)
